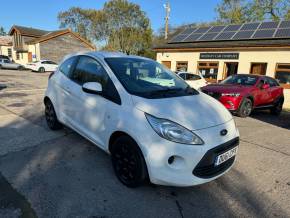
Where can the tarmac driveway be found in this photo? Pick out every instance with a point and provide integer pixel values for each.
(60, 174)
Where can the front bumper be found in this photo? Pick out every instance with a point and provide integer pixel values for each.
(176, 164)
(231, 103)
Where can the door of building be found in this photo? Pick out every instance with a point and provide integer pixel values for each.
(167, 64)
(258, 68)
(29, 57)
(230, 68)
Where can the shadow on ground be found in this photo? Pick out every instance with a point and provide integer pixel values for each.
(283, 120)
(70, 177)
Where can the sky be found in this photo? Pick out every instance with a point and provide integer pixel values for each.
(42, 14)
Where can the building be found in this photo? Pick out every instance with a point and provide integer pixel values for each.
(219, 51)
(6, 46)
(30, 44)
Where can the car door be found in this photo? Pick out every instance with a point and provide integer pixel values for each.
(262, 96)
(6, 64)
(89, 112)
(62, 86)
(51, 66)
(274, 90)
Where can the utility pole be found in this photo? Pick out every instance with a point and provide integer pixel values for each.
(167, 9)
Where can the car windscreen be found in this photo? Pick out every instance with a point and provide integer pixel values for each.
(147, 78)
(245, 80)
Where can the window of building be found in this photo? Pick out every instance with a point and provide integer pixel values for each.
(209, 70)
(283, 74)
(17, 56)
(181, 66)
(258, 68)
(9, 51)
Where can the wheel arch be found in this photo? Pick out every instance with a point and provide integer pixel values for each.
(117, 134)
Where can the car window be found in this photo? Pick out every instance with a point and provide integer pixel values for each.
(182, 75)
(261, 82)
(6, 61)
(245, 80)
(44, 62)
(89, 70)
(67, 65)
(193, 77)
(272, 82)
(51, 62)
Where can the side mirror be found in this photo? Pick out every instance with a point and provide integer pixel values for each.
(92, 88)
(265, 86)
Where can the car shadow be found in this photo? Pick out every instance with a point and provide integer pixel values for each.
(68, 176)
(283, 120)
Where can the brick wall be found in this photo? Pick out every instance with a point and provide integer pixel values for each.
(55, 49)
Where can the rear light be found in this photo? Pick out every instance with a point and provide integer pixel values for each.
(50, 75)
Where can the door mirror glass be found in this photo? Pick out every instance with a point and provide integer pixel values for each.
(92, 88)
(265, 86)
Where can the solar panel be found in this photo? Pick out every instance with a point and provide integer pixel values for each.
(192, 37)
(202, 29)
(250, 26)
(282, 33)
(243, 34)
(179, 38)
(188, 31)
(232, 28)
(208, 37)
(285, 24)
(225, 36)
(216, 29)
(264, 34)
(269, 25)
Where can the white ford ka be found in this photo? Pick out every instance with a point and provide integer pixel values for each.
(152, 123)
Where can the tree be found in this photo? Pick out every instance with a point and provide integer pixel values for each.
(120, 25)
(2, 31)
(232, 11)
(275, 10)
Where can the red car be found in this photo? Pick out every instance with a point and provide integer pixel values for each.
(242, 93)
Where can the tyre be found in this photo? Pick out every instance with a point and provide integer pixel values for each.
(277, 108)
(41, 70)
(20, 68)
(128, 162)
(0, 67)
(246, 108)
(50, 116)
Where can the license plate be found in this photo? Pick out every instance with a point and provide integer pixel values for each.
(225, 156)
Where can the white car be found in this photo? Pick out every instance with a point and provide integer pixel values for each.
(42, 66)
(151, 122)
(194, 80)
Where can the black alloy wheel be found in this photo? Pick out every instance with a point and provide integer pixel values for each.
(128, 162)
(50, 116)
(245, 108)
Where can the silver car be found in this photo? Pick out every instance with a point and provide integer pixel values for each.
(8, 64)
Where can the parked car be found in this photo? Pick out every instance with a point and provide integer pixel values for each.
(166, 130)
(4, 57)
(8, 64)
(194, 80)
(42, 66)
(243, 93)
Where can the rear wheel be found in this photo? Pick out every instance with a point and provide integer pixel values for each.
(41, 70)
(245, 108)
(50, 116)
(20, 68)
(128, 162)
(277, 108)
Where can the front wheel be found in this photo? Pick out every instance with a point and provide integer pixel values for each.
(50, 116)
(277, 108)
(128, 162)
(245, 108)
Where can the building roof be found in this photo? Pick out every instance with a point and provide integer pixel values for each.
(266, 43)
(5, 40)
(27, 31)
(53, 34)
(258, 34)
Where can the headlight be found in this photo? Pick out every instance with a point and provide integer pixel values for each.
(231, 94)
(172, 131)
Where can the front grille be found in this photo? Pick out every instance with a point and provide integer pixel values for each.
(215, 95)
(206, 169)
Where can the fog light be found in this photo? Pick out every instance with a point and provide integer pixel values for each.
(170, 160)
